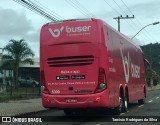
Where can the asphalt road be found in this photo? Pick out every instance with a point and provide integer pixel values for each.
(149, 111)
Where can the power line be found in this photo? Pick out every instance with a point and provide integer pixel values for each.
(117, 12)
(126, 14)
(131, 27)
(28, 8)
(49, 10)
(38, 9)
(74, 5)
(126, 7)
(122, 10)
(34, 7)
(78, 3)
(48, 14)
(131, 13)
(79, 7)
(121, 17)
(112, 7)
(119, 7)
(138, 22)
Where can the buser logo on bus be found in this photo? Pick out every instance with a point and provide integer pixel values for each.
(128, 65)
(56, 32)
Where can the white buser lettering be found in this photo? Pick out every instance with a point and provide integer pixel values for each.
(77, 29)
(57, 32)
(129, 67)
(126, 65)
(135, 70)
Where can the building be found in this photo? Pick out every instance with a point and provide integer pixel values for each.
(25, 70)
(30, 70)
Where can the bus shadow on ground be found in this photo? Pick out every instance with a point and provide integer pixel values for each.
(95, 115)
(104, 111)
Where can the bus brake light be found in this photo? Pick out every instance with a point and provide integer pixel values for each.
(101, 80)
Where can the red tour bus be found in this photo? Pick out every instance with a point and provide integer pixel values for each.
(88, 64)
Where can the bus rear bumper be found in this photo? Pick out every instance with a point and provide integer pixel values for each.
(76, 101)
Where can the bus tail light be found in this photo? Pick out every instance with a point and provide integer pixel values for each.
(44, 89)
(101, 80)
(97, 99)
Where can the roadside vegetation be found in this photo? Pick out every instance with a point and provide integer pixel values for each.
(152, 54)
(16, 52)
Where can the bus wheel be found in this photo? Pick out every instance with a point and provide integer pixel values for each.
(141, 101)
(125, 104)
(118, 110)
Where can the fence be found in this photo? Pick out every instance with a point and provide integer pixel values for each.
(21, 92)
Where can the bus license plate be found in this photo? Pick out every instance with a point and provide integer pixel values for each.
(71, 100)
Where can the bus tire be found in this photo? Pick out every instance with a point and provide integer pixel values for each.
(118, 110)
(141, 101)
(125, 104)
(122, 107)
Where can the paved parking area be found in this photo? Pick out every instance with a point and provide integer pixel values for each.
(18, 107)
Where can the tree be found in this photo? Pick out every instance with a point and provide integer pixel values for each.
(16, 52)
(152, 54)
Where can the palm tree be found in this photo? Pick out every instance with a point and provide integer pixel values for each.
(18, 52)
(5, 66)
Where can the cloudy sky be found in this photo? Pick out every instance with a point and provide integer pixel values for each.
(17, 22)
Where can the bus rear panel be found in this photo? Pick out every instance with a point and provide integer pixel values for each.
(70, 65)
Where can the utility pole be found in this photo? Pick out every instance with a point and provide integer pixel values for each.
(1, 50)
(121, 17)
